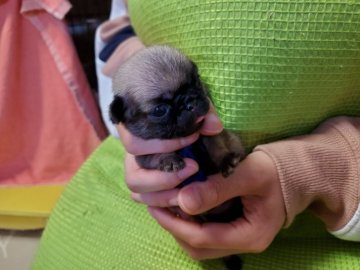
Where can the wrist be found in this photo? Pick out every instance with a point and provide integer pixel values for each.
(262, 172)
(262, 169)
(317, 172)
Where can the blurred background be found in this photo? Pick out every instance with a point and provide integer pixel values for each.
(17, 248)
(82, 20)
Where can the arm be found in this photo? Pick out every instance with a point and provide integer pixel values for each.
(110, 53)
(277, 181)
(321, 172)
(121, 42)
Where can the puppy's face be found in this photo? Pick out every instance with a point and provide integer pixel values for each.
(158, 94)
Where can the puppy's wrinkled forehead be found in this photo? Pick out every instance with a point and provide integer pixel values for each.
(152, 72)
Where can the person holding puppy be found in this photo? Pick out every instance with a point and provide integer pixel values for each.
(277, 181)
(291, 95)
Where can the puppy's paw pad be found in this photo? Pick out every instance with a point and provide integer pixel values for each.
(230, 161)
(171, 164)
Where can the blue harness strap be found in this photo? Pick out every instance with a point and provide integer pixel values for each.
(115, 41)
(197, 151)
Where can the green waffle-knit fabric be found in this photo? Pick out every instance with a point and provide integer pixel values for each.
(274, 69)
(96, 225)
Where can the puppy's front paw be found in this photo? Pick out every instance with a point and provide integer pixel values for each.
(229, 162)
(171, 164)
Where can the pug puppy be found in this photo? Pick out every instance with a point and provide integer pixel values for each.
(158, 94)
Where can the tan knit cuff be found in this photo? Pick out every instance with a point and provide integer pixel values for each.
(123, 51)
(121, 54)
(320, 172)
(110, 28)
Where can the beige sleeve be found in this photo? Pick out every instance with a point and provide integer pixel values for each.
(321, 172)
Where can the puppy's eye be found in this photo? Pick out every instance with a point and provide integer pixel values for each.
(191, 104)
(160, 110)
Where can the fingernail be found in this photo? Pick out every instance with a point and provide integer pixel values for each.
(188, 140)
(190, 199)
(189, 170)
(212, 124)
(136, 197)
(173, 202)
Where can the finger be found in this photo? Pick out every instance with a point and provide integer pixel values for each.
(199, 197)
(212, 124)
(167, 198)
(238, 235)
(247, 179)
(138, 146)
(205, 253)
(140, 180)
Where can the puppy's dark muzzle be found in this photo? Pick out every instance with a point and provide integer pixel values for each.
(188, 122)
(186, 119)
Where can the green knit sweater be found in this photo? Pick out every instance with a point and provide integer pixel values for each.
(274, 68)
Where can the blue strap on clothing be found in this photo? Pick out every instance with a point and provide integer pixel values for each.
(115, 41)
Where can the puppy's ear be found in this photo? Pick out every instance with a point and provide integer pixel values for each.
(117, 110)
(195, 77)
(194, 69)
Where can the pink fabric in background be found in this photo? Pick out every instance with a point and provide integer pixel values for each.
(49, 121)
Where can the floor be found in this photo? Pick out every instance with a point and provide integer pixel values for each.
(17, 249)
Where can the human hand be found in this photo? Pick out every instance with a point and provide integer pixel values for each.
(153, 186)
(256, 181)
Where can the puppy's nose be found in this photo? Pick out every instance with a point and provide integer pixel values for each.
(191, 104)
(186, 118)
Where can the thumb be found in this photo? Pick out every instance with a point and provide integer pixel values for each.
(199, 197)
(212, 124)
(250, 177)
